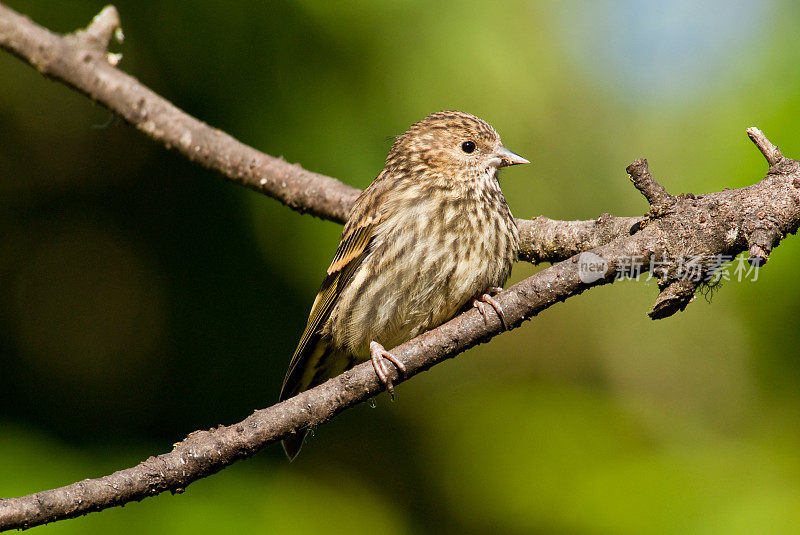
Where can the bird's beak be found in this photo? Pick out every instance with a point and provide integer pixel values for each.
(506, 157)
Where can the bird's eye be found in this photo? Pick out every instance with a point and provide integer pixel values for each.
(468, 147)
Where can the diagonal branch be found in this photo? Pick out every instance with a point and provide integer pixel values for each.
(717, 222)
(81, 61)
(770, 151)
(755, 218)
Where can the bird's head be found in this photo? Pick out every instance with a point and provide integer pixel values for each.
(451, 144)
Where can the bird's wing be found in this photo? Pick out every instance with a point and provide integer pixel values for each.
(352, 250)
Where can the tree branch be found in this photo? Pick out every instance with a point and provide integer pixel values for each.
(770, 151)
(549, 240)
(660, 201)
(751, 219)
(81, 60)
(717, 223)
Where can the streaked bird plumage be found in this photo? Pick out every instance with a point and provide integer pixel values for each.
(430, 233)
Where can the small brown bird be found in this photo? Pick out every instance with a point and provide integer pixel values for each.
(430, 234)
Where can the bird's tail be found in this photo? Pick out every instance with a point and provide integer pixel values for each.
(293, 443)
(310, 369)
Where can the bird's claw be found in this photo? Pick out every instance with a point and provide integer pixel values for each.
(379, 356)
(481, 300)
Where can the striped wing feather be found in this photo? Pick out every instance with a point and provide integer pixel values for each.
(351, 252)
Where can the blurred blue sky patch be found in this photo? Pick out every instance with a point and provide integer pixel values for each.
(656, 50)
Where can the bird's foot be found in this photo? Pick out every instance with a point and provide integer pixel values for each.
(379, 356)
(481, 300)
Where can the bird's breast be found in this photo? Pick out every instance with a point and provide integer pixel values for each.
(430, 255)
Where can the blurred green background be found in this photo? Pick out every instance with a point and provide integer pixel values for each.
(144, 297)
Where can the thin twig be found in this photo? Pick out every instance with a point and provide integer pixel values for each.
(770, 151)
(654, 192)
